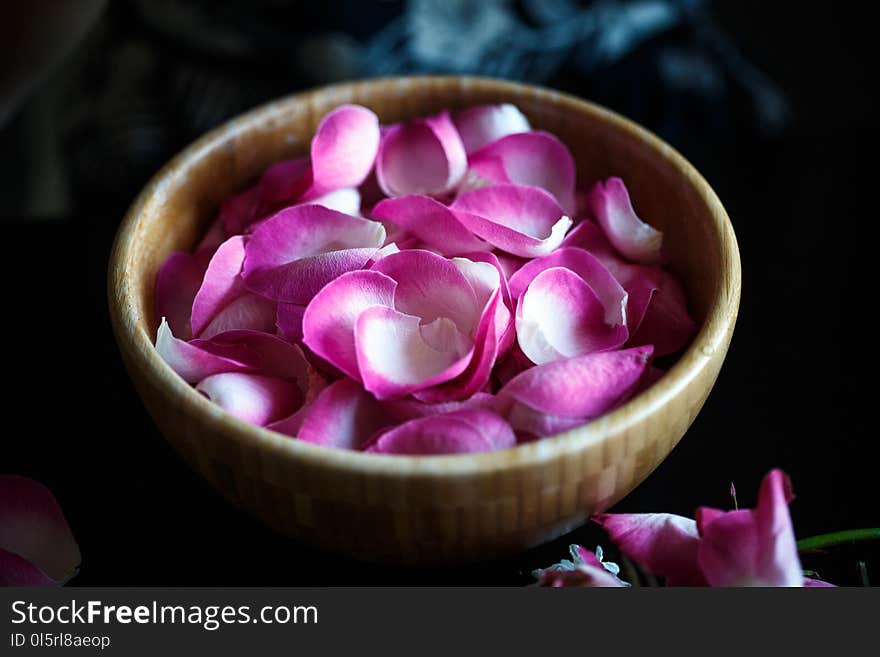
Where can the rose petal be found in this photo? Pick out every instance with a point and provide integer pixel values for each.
(665, 322)
(580, 387)
(524, 221)
(328, 324)
(460, 432)
(409, 408)
(560, 316)
(254, 398)
(343, 149)
(396, 355)
(238, 211)
(346, 200)
(289, 321)
(611, 205)
(430, 286)
(431, 222)
(809, 582)
(663, 543)
(222, 303)
(424, 156)
(195, 360)
(281, 184)
(295, 253)
(778, 558)
(484, 124)
(729, 550)
(274, 356)
(484, 285)
(178, 281)
(608, 290)
(344, 416)
(537, 159)
(35, 538)
(581, 577)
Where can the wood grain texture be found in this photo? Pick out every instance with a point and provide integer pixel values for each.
(434, 509)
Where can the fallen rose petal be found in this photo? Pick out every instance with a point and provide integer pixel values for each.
(343, 149)
(536, 159)
(611, 206)
(398, 355)
(524, 221)
(434, 224)
(809, 582)
(582, 388)
(195, 360)
(662, 543)
(560, 316)
(343, 416)
(586, 569)
(484, 124)
(292, 255)
(608, 290)
(222, 302)
(328, 323)
(460, 432)
(37, 547)
(423, 156)
(178, 281)
(254, 398)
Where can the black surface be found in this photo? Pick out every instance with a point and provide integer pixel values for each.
(785, 397)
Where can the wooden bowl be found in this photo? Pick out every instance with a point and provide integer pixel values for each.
(440, 508)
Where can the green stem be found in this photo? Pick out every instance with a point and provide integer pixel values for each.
(838, 538)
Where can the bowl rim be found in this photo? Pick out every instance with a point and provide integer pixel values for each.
(129, 324)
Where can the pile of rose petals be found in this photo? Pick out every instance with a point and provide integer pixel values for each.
(437, 286)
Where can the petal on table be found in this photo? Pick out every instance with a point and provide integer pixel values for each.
(537, 159)
(609, 291)
(254, 398)
(396, 355)
(344, 416)
(610, 204)
(328, 323)
(295, 253)
(729, 550)
(778, 562)
(524, 221)
(424, 156)
(37, 547)
(178, 281)
(195, 360)
(484, 124)
(343, 149)
(560, 316)
(580, 387)
(431, 286)
(460, 432)
(431, 222)
(662, 543)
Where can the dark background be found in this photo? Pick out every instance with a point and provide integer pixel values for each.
(769, 100)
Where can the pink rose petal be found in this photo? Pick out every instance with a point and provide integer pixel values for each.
(434, 224)
(328, 323)
(560, 316)
(254, 398)
(460, 432)
(238, 211)
(222, 303)
(343, 416)
(409, 408)
(398, 355)
(292, 255)
(665, 322)
(484, 124)
(195, 360)
(611, 205)
(37, 547)
(524, 221)
(424, 156)
(663, 543)
(178, 281)
(343, 149)
(536, 159)
(566, 393)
